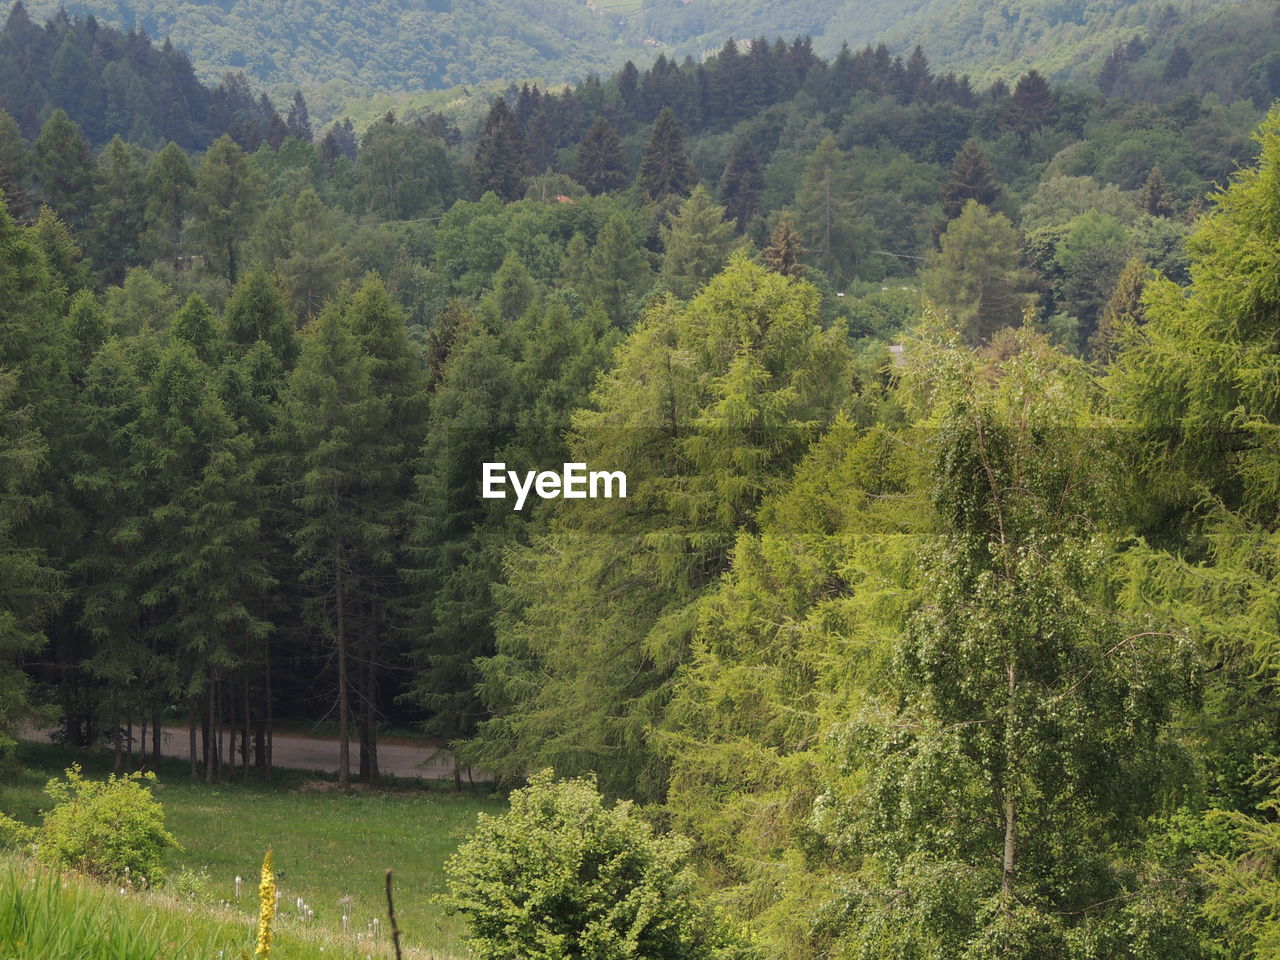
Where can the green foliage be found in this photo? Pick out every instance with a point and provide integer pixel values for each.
(975, 276)
(112, 829)
(562, 875)
(696, 244)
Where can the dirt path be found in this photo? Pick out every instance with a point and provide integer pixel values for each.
(397, 758)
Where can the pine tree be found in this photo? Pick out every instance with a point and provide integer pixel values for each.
(170, 187)
(1153, 198)
(664, 169)
(741, 184)
(1123, 313)
(65, 167)
(299, 124)
(1033, 105)
(118, 218)
(696, 244)
(227, 197)
(824, 204)
(618, 272)
(315, 263)
(784, 253)
(600, 166)
(256, 313)
(972, 177)
(499, 162)
(975, 275)
(1178, 66)
(334, 426)
(14, 167)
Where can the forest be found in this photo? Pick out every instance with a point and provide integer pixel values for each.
(940, 618)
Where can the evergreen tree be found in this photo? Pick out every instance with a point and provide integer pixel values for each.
(600, 166)
(617, 272)
(14, 167)
(1123, 313)
(664, 169)
(257, 313)
(971, 178)
(975, 276)
(824, 203)
(1033, 105)
(741, 184)
(784, 253)
(314, 262)
(118, 219)
(299, 124)
(227, 197)
(1153, 198)
(65, 167)
(499, 162)
(170, 185)
(695, 244)
(334, 426)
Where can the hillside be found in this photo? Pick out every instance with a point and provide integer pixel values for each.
(435, 44)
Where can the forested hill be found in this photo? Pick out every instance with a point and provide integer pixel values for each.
(428, 44)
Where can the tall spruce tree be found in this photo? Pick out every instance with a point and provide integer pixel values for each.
(600, 166)
(665, 170)
(170, 185)
(696, 244)
(65, 167)
(972, 177)
(333, 424)
(227, 198)
(741, 183)
(499, 163)
(784, 253)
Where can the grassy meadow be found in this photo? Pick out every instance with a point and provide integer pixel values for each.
(330, 850)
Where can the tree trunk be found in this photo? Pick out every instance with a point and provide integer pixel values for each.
(1010, 810)
(344, 710)
(270, 720)
(191, 731)
(155, 734)
(211, 730)
(244, 733)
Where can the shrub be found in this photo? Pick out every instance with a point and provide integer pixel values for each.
(112, 829)
(561, 875)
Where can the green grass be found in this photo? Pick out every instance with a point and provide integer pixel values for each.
(48, 916)
(328, 847)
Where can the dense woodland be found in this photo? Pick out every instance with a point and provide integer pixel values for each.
(963, 648)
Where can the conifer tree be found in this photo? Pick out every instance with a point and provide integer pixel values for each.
(664, 169)
(824, 205)
(257, 312)
(972, 177)
(1032, 106)
(784, 252)
(1122, 314)
(600, 166)
(170, 185)
(1153, 198)
(227, 197)
(499, 162)
(15, 165)
(975, 275)
(617, 272)
(334, 426)
(741, 184)
(314, 263)
(65, 167)
(299, 124)
(118, 218)
(696, 244)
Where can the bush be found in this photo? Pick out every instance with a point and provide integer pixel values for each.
(112, 829)
(561, 875)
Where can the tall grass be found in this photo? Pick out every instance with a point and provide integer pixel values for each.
(48, 916)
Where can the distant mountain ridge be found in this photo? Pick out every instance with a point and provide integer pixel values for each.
(436, 44)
